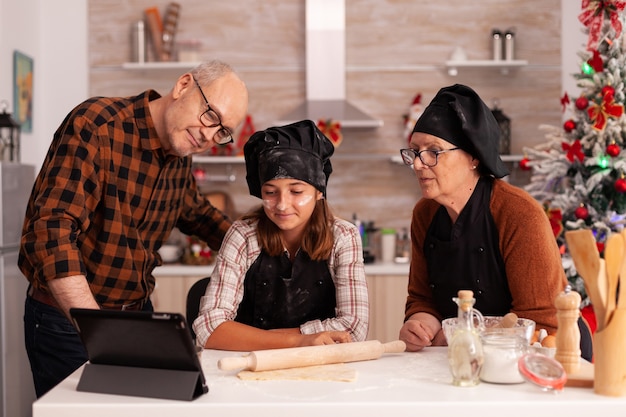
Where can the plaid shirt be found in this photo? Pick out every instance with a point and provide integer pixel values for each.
(241, 249)
(105, 200)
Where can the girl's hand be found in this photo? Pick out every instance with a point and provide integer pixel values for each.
(325, 338)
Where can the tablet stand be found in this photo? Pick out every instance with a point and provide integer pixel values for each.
(143, 382)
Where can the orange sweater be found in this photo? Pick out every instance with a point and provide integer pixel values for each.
(532, 260)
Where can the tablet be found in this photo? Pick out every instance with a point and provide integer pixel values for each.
(138, 339)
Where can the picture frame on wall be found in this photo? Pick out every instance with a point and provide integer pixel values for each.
(23, 90)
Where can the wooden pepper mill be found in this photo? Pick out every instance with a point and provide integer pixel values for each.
(568, 335)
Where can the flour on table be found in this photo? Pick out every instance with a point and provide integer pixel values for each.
(339, 372)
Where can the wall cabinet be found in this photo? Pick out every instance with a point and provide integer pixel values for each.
(387, 296)
(170, 293)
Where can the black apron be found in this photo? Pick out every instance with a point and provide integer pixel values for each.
(279, 294)
(466, 256)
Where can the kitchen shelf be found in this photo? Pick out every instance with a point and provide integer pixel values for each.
(503, 65)
(168, 65)
(158, 65)
(204, 159)
(511, 158)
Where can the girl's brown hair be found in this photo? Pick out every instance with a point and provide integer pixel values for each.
(317, 241)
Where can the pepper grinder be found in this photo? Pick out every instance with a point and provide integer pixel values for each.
(568, 335)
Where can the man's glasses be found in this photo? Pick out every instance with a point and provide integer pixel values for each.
(210, 119)
(428, 157)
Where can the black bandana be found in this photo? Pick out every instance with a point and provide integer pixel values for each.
(459, 116)
(298, 150)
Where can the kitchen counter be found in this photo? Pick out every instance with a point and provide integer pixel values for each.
(378, 268)
(396, 384)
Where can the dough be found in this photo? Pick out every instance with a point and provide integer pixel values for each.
(336, 372)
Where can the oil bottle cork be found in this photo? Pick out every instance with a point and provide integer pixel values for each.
(568, 334)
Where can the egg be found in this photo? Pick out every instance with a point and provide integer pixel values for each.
(549, 341)
(535, 337)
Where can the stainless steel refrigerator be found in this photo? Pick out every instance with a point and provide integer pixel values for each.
(16, 381)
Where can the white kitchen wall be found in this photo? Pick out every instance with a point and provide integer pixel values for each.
(54, 34)
(573, 40)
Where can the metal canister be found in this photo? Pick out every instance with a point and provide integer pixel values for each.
(138, 42)
(509, 45)
(496, 39)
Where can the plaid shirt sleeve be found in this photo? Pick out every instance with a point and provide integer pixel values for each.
(225, 290)
(346, 267)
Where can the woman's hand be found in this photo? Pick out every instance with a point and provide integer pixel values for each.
(419, 331)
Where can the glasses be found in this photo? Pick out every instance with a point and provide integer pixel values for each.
(210, 119)
(428, 157)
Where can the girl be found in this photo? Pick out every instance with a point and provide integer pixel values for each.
(288, 273)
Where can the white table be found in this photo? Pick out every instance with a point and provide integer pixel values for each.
(402, 384)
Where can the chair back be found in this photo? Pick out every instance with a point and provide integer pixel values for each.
(194, 294)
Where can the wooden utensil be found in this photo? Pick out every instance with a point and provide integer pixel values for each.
(599, 306)
(582, 247)
(621, 297)
(609, 345)
(613, 256)
(265, 360)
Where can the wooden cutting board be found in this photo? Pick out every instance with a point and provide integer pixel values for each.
(583, 378)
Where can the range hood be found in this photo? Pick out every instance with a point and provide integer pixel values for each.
(326, 69)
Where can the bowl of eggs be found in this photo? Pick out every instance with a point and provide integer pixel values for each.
(508, 325)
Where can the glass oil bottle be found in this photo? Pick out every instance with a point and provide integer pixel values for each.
(465, 351)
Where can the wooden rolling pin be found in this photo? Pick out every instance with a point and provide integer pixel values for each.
(266, 360)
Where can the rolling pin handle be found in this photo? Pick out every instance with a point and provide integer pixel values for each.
(397, 346)
(238, 362)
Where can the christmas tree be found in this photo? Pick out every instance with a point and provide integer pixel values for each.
(579, 174)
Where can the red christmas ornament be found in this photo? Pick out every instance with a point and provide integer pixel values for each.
(596, 62)
(569, 125)
(556, 220)
(613, 150)
(600, 113)
(564, 102)
(582, 103)
(600, 247)
(620, 185)
(199, 174)
(246, 131)
(524, 164)
(575, 150)
(608, 92)
(332, 129)
(593, 17)
(581, 213)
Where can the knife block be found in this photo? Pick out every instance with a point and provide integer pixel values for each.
(609, 345)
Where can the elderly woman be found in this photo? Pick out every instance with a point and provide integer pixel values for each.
(472, 230)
